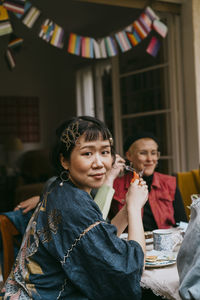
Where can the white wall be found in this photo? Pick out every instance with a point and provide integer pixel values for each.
(196, 26)
(190, 48)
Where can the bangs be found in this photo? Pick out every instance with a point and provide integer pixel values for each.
(94, 133)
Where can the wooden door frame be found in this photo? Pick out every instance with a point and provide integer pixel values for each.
(173, 6)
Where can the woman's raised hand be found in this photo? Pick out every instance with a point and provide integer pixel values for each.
(117, 167)
(137, 194)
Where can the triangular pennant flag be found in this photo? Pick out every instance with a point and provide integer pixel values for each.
(5, 27)
(153, 46)
(15, 42)
(74, 44)
(3, 13)
(139, 29)
(150, 13)
(160, 27)
(10, 59)
(26, 8)
(47, 29)
(134, 38)
(146, 22)
(31, 17)
(16, 6)
(103, 49)
(123, 41)
(87, 47)
(97, 50)
(57, 37)
(111, 46)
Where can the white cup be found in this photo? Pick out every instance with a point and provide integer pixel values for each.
(165, 239)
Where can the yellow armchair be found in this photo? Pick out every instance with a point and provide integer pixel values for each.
(188, 183)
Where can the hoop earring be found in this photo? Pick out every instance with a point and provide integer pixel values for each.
(64, 176)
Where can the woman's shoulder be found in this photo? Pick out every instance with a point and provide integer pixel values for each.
(72, 202)
(164, 178)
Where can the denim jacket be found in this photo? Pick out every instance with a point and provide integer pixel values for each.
(70, 252)
(188, 260)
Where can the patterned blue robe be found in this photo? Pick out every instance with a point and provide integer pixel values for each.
(61, 259)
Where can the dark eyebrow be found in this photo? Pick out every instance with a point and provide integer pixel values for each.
(92, 146)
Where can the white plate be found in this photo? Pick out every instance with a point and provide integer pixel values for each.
(149, 241)
(163, 259)
(158, 264)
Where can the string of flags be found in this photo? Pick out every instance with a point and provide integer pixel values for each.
(87, 47)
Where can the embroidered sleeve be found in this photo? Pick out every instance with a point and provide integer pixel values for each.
(104, 266)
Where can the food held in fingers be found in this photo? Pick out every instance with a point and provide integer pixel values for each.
(135, 176)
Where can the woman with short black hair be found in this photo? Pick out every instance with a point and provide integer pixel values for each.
(69, 251)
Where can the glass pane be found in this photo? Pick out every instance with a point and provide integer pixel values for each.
(107, 99)
(143, 92)
(157, 124)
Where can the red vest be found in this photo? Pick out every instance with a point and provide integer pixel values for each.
(161, 197)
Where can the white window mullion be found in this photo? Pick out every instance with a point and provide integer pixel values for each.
(85, 92)
(88, 93)
(79, 107)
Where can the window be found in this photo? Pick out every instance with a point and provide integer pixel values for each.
(145, 104)
(145, 97)
(135, 91)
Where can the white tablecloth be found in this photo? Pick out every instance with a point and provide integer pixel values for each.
(162, 281)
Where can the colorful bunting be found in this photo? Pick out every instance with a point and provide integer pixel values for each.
(153, 46)
(87, 47)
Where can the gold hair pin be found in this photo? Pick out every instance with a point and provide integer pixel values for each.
(111, 141)
(70, 135)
